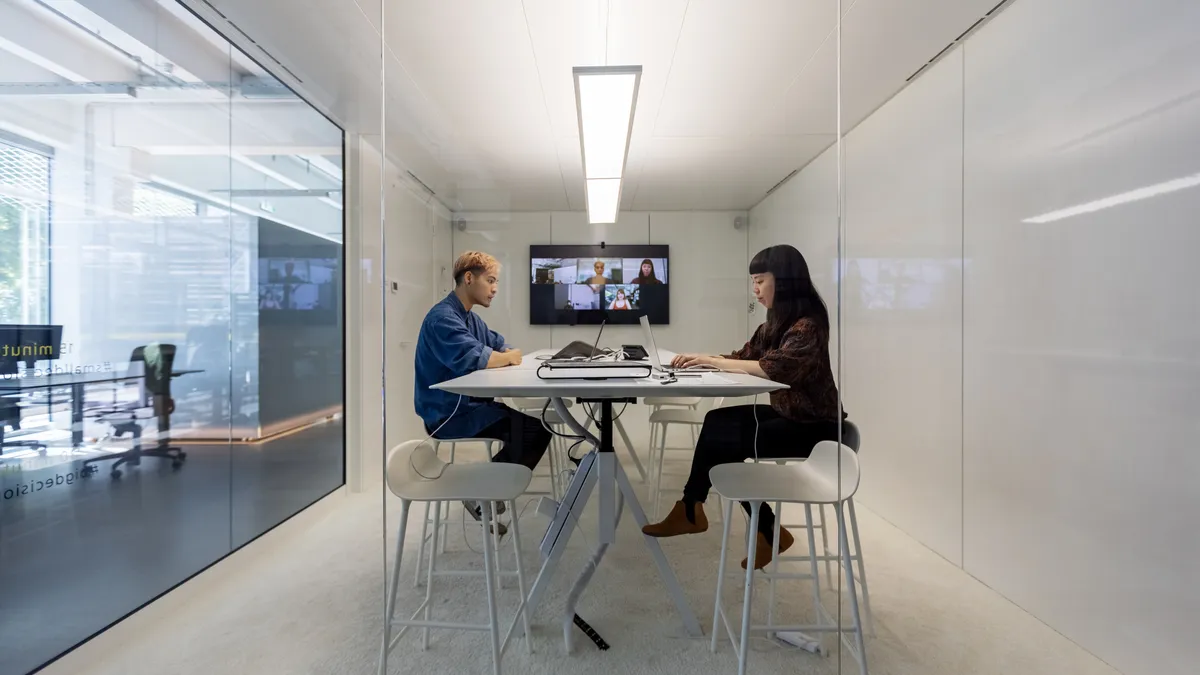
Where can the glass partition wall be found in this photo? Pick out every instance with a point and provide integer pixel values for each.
(171, 302)
(708, 147)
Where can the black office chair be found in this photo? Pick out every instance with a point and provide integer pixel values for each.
(10, 417)
(157, 363)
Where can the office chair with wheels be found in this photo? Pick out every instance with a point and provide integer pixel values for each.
(10, 417)
(157, 364)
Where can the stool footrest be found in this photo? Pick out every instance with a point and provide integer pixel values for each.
(441, 624)
(469, 573)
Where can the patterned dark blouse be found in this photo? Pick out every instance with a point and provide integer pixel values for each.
(802, 363)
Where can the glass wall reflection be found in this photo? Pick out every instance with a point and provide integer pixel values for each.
(171, 334)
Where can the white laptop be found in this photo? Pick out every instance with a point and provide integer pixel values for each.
(653, 348)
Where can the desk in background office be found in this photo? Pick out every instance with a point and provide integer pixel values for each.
(76, 383)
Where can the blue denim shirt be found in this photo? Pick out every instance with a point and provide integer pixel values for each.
(452, 343)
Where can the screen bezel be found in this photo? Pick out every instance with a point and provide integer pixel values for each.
(563, 317)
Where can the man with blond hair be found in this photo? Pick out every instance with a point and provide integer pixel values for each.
(455, 341)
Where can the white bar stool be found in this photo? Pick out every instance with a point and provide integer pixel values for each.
(657, 403)
(851, 438)
(416, 474)
(830, 476)
(441, 520)
(660, 423)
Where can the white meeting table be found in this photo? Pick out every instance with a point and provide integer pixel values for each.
(602, 466)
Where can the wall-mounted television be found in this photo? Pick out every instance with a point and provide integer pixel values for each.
(298, 290)
(583, 284)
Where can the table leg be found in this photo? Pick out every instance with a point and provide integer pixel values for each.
(621, 480)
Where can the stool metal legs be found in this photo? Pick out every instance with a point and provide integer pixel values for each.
(825, 622)
(491, 573)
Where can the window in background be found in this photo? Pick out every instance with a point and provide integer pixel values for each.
(24, 233)
(148, 201)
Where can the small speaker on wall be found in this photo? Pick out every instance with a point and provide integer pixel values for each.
(739, 223)
(461, 224)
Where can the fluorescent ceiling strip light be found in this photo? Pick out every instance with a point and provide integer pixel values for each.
(605, 99)
(603, 199)
(1116, 200)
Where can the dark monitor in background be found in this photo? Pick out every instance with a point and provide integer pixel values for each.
(28, 343)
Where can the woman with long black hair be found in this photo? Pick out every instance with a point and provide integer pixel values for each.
(646, 273)
(791, 348)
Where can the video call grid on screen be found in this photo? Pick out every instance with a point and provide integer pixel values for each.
(575, 284)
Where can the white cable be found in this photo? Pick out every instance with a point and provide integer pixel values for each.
(431, 435)
(755, 409)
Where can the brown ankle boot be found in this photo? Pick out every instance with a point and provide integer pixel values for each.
(763, 552)
(676, 523)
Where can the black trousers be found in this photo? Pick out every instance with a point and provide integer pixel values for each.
(728, 436)
(525, 439)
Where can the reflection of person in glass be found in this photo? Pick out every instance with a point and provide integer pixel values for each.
(791, 348)
(290, 282)
(646, 273)
(620, 302)
(269, 300)
(599, 279)
(290, 276)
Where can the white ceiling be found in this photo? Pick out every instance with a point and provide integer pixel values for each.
(735, 94)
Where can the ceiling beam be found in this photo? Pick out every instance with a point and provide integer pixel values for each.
(163, 32)
(199, 128)
(69, 54)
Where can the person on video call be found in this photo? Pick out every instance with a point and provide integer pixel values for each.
(599, 279)
(646, 274)
(290, 276)
(454, 341)
(620, 302)
(792, 348)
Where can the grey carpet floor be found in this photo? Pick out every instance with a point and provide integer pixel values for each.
(311, 602)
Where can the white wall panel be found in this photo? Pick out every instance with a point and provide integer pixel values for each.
(901, 329)
(1075, 338)
(1081, 364)
(507, 236)
(411, 292)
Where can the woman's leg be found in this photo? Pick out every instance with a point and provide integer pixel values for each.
(723, 440)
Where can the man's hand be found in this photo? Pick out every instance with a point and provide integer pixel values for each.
(503, 359)
(689, 360)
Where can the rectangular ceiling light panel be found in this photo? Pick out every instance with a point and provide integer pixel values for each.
(605, 99)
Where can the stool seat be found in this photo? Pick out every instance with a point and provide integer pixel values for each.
(677, 416)
(817, 480)
(493, 481)
(672, 400)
